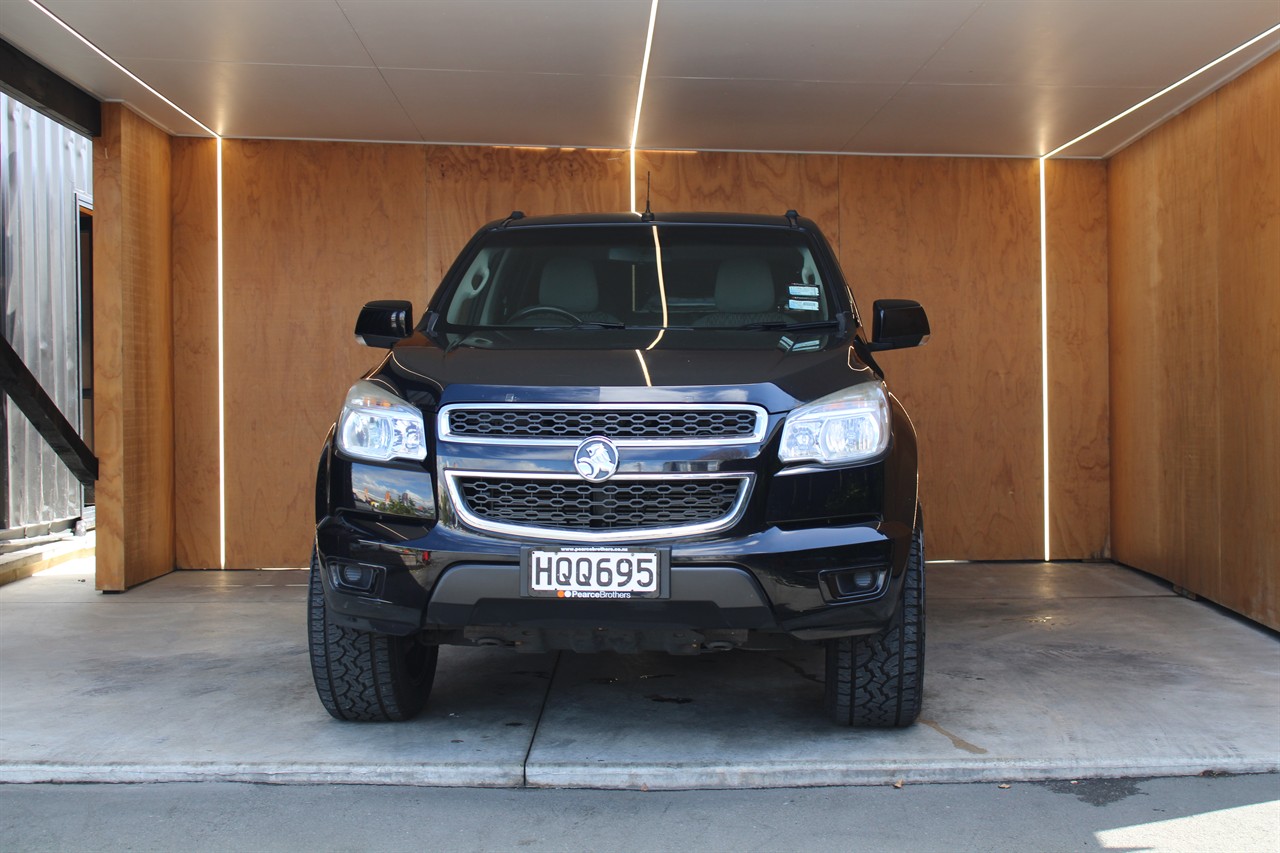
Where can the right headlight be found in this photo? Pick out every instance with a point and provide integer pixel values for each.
(847, 426)
(376, 424)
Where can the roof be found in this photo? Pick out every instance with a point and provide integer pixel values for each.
(674, 218)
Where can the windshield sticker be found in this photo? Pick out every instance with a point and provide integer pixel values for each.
(802, 305)
(803, 290)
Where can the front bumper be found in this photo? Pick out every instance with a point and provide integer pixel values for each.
(466, 587)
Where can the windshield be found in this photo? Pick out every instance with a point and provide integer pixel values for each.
(657, 277)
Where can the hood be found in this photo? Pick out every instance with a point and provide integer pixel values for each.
(777, 370)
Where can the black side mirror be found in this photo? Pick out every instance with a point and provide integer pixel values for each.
(897, 324)
(384, 322)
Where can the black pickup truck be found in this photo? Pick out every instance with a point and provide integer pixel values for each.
(625, 433)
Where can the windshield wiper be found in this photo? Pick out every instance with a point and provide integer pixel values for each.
(600, 325)
(780, 325)
(585, 325)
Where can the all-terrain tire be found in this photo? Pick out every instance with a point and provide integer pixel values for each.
(878, 681)
(364, 676)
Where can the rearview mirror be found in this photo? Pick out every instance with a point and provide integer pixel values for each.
(384, 322)
(897, 324)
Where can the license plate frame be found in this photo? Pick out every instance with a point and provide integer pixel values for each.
(657, 560)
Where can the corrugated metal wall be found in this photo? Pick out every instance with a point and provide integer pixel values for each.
(44, 165)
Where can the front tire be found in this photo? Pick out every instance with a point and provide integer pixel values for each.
(364, 676)
(878, 681)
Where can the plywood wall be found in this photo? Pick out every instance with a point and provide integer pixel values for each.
(962, 237)
(469, 186)
(1079, 393)
(133, 350)
(1248, 334)
(1194, 227)
(744, 183)
(314, 229)
(195, 353)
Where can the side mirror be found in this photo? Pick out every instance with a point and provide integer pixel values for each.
(897, 324)
(384, 322)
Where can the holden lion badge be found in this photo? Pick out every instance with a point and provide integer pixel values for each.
(596, 459)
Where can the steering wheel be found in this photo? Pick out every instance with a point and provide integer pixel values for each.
(530, 310)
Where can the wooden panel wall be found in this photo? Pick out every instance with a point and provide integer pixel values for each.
(312, 231)
(1195, 347)
(1249, 342)
(1079, 396)
(195, 353)
(744, 183)
(469, 186)
(1164, 353)
(133, 350)
(962, 237)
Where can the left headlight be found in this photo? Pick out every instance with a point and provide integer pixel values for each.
(846, 426)
(376, 424)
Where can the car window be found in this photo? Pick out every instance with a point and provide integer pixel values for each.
(705, 277)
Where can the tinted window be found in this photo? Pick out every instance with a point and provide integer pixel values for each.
(665, 275)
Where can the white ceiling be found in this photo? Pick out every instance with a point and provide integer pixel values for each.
(967, 77)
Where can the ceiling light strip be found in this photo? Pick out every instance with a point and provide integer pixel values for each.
(134, 77)
(644, 75)
(1166, 90)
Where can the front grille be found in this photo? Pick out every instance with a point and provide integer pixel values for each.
(542, 423)
(617, 505)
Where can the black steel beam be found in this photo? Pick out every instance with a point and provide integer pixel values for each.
(4, 467)
(48, 92)
(25, 391)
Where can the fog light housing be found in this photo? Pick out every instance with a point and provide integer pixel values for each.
(855, 583)
(355, 577)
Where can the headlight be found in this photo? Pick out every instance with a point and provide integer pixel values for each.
(376, 424)
(847, 426)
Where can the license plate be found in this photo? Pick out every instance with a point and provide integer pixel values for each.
(593, 572)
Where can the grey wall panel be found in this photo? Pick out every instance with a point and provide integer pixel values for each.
(43, 168)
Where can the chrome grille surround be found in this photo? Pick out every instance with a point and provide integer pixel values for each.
(711, 503)
(648, 424)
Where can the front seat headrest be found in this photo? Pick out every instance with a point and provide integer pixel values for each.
(569, 283)
(744, 286)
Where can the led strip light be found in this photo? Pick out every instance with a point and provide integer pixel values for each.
(1044, 352)
(222, 389)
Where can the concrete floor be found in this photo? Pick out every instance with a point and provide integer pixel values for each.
(1034, 671)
